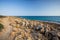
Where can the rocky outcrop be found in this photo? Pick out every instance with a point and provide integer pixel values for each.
(21, 29)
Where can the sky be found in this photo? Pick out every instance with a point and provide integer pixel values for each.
(30, 7)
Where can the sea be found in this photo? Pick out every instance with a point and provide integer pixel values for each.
(43, 18)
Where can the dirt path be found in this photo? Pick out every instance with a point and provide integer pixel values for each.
(7, 30)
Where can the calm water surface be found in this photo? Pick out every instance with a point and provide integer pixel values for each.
(43, 18)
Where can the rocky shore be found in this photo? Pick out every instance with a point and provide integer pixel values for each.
(21, 29)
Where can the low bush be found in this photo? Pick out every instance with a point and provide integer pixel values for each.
(1, 27)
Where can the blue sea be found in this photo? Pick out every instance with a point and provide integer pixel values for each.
(43, 18)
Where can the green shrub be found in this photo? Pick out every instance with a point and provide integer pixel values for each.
(1, 27)
(2, 16)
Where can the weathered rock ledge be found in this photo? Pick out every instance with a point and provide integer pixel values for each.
(21, 29)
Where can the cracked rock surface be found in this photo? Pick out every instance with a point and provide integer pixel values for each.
(22, 29)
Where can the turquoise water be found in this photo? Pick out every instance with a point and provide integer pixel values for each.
(42, 18)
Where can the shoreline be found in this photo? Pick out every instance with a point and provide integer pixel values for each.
(54, 22)
(49, 21)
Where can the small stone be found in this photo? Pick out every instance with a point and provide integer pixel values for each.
(53, 33)
(29, 38)
(13, 33)
(15, 29)
(38, 28)
(55, 38)
(58, 28)
(50, 35)
(58, 34)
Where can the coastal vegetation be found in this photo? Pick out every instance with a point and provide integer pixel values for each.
(1, 16)
(1, 27)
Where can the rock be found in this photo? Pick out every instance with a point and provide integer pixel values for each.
(52, 35)
(58, 34)
(37, 28)
(55, 38)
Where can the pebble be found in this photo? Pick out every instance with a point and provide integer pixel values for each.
(55, 38)
(38, 28)
(52, 35)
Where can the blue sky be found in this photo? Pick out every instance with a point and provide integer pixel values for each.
(30, 7)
